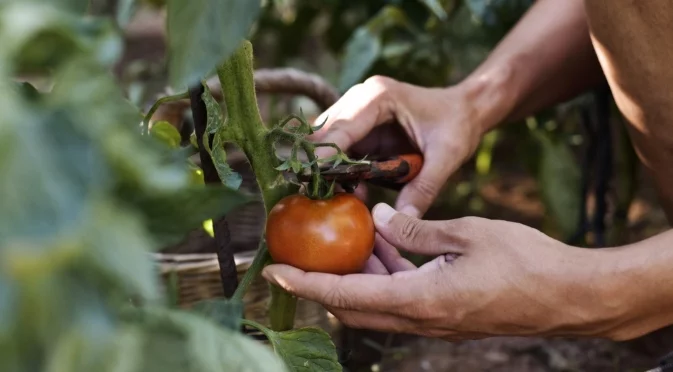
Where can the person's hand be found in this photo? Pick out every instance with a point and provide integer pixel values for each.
(385, 117)
(489, 278)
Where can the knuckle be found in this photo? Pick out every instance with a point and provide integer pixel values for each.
(379, 81)
(337, 298)
(409, 230)
(424, 188)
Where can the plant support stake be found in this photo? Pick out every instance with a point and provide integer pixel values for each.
(225, 254)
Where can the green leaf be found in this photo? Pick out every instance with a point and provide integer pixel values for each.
(58, 37)
(560, 181)
(362, 50)
(364, 46)
(436, 8)
(498, 13)
(169, 216)
(305, 349)
(125, 11)
(226, 313)
(166, 133)
(215, 118)
(76, 6)
(229, 178)
(122, 253)
(180, 341)
(203, 34)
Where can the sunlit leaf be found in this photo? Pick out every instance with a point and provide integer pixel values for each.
(166, 133)
(305, 349)
(203, 33)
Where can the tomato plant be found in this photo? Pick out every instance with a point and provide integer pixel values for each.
(335, 235)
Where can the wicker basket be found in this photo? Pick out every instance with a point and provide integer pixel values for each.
(199, 279)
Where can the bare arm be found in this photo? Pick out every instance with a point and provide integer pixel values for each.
(547, 58)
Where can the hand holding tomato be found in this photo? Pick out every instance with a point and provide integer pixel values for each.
(489, 278)
(335, 235)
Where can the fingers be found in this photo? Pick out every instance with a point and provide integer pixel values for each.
(362, 108)
(375, 266)
(361, 292)
(418, 195)
(373, 321)
(418, 236)
(390, 257)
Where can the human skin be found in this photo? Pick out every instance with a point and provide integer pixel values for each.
(495, 277)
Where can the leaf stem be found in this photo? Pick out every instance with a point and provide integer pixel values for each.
(159, 102)
(258, 263)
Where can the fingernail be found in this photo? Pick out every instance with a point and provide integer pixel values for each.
(410, 210)
(383, 213)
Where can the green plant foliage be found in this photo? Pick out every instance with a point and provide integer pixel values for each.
(215, 121)
(365, 45)
(303, 350)
(84, 200)
(501, 14)
(166, 133)
(180, 341)
(560, 181)
(203, 33)
(227, 313)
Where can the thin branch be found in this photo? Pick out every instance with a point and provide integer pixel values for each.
(225, 253)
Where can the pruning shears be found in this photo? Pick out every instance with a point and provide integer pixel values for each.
(392, 172)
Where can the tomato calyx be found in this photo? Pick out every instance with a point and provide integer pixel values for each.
(317, 188)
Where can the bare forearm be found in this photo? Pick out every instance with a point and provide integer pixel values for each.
(547, 58)
(639, 282)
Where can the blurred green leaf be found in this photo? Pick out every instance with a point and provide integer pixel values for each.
(498, 13)
(169, 216)
(362, 51)
(560, 182)
(125, 11)
(181, 341)
(436, 8)
(57, 37)
(226, 313)
(203, 34)
(365, 45)
(166, 133)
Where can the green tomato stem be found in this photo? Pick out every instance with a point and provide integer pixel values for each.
(246, 129)
(283, 306)
(261, 259)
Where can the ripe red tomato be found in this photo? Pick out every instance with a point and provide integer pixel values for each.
(334, 236)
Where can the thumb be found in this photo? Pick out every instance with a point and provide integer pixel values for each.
(414, 235)
(418, 195)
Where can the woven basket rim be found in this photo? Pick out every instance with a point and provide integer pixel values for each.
(206, 262)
